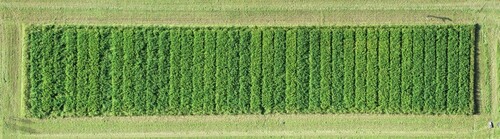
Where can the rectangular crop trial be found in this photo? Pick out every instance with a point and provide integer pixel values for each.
(77, 71)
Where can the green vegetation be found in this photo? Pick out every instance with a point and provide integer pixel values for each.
(417, 101)
(209, 72)
(395, 71)
(452, 78)
(372, 69)
(338, 70)
(234, 70)
(384, 80)
(360, 70)
(406, 74)
(441, 69)
(348, 90)
(430, 68)
(326, 70)
(279, 76)
(17, 16)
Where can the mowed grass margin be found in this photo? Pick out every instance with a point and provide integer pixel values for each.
(345, 125)
(123, 15)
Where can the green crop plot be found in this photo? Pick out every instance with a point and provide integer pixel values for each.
(108, 70)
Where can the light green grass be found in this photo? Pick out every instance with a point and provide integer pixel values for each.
(11, 76)
(346, 125)
(2, 85)
(255, 12)
(495, 41)
(16, 13)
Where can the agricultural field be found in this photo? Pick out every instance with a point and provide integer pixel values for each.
(92, 71)
(249, 69)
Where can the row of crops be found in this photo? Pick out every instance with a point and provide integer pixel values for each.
(104, 70)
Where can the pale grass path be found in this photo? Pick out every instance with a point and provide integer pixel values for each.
(343, 125)
(253, 12)
(326, 133)
(495, 58)
(12, 74)
(492, 41)
(3, 84)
